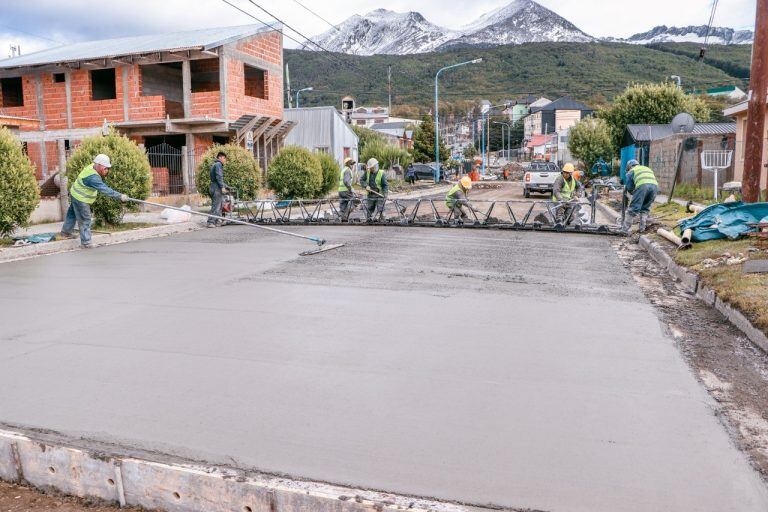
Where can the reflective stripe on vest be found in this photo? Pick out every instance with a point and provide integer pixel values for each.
(80, 190)
(567, 191)
(450, 198)
(643, 176)
(342, 186)
(377, 179)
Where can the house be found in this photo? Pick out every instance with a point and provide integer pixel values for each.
(520, 107)
(398, 134)
(739, 114)
(175, 93)
(367, 116)
(658, 146)
(542, 146)
(729, 91)
(323, 130)
(554, 116)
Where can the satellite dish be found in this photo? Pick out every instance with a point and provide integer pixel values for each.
(683, 123)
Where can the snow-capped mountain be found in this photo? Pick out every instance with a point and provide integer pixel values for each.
(383, 31)
(388, 32)
(691, 34)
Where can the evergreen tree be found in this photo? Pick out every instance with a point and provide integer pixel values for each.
(424, 142)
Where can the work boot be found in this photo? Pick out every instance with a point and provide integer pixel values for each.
(64, 236)
(89, 245)
(643, 222)
(629, 219)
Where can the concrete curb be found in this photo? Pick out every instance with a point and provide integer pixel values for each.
(33, 251)
(128, 481)
(691, 282)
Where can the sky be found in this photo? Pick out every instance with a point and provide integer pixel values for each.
(38, 24)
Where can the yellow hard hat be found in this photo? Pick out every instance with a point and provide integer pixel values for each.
(466, 182)
(348, 161)
(568, 168)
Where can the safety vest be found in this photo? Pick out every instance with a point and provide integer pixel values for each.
(80, 190)
(377, 179)
(450, 198)
(342, 186)
(567, 191)
(643, 176)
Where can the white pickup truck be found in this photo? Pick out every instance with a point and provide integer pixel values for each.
(539, 178)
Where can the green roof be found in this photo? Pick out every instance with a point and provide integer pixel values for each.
(725, 88)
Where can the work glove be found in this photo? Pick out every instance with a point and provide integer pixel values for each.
(124, 198)
(224, 190)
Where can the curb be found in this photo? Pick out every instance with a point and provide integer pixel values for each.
(692, 283)
(180, 487)
(33, 251)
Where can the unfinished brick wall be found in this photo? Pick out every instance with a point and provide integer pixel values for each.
(29, 109)
(662, 158)
(267, 47)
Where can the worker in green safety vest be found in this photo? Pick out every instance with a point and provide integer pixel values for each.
(457, 198)
(82, 195)
(375, 182)
(565, 189)
(642, 184)
(346, 188)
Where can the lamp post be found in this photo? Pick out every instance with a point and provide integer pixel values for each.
(509, 131)
(487, 109)
(437, 124)
(302, 90)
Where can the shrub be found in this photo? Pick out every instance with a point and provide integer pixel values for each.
(295, 173)
(19, 193)
(130, 173)
(590, 140)
(387, 155)
(331, 172)
(241, 171)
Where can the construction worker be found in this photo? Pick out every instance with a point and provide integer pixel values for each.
(82, 195)
(642, 184)
(375, 182)
(346, 189)
(456, 199)
(217, 188)
(565, 189)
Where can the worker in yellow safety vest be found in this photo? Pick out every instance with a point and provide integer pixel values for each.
(346, 188)
(457, 198)
(642, 184)
(83, 194)
(565, 189)
(375, 182)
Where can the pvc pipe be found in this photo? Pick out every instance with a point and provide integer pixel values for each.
(672, 238)
(694, 208)
(687, 235)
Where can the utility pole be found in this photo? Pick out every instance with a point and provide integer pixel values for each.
(288, 85)
(756, 108)
(389, 89)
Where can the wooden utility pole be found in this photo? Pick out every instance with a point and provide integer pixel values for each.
(756, 108)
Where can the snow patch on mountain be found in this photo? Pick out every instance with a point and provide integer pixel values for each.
(691, 34)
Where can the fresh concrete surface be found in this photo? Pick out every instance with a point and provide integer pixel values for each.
(520, 369)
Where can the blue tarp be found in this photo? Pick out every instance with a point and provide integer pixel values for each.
(725, 220)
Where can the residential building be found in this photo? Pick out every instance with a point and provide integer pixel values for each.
(659, 147)
(175, 93)
(322, 130)
(542, 146)
(367, 116)
(739, 114)
(398, 134)
(555, 116)
(729, 91)
(520, 107)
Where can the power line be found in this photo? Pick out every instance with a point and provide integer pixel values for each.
(313, 12)
(290, 27)
(14, 29)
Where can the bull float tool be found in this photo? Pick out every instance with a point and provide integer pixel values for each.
(321, 245)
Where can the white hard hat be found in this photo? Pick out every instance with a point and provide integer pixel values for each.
(102, 159)
(372, 163)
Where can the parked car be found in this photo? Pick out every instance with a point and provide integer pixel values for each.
(425, 171)
(539, 178)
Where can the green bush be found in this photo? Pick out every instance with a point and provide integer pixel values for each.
(295, 173)
(19, 193)
(331, 171)
(241, 171)
(130, 173)
(590, 140)
(387, 155)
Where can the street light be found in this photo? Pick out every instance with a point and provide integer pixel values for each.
(509, 139)
(302, 90)
(437, 120)
(486, 109)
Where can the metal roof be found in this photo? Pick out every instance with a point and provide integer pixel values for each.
(202, 39)
(651, 132)
(564, 103)
(390, 126)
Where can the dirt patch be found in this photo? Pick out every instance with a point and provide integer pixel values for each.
(729, 366)
(16, 498)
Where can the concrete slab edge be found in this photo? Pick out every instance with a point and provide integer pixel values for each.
(691, 282)
(33, 251)
(174, 487)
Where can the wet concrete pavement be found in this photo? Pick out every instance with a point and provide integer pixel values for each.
(517, 369)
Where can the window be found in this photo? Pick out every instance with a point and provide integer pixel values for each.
(103, 84)
(255, 82)
(25, 148)
(361, 122)
(12, 91)
(321, 149)
(59, 78)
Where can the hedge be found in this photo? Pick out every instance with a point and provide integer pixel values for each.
(295, 173)
(241, 171)
(19, 193)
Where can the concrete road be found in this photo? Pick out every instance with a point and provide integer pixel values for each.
(517, 369)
